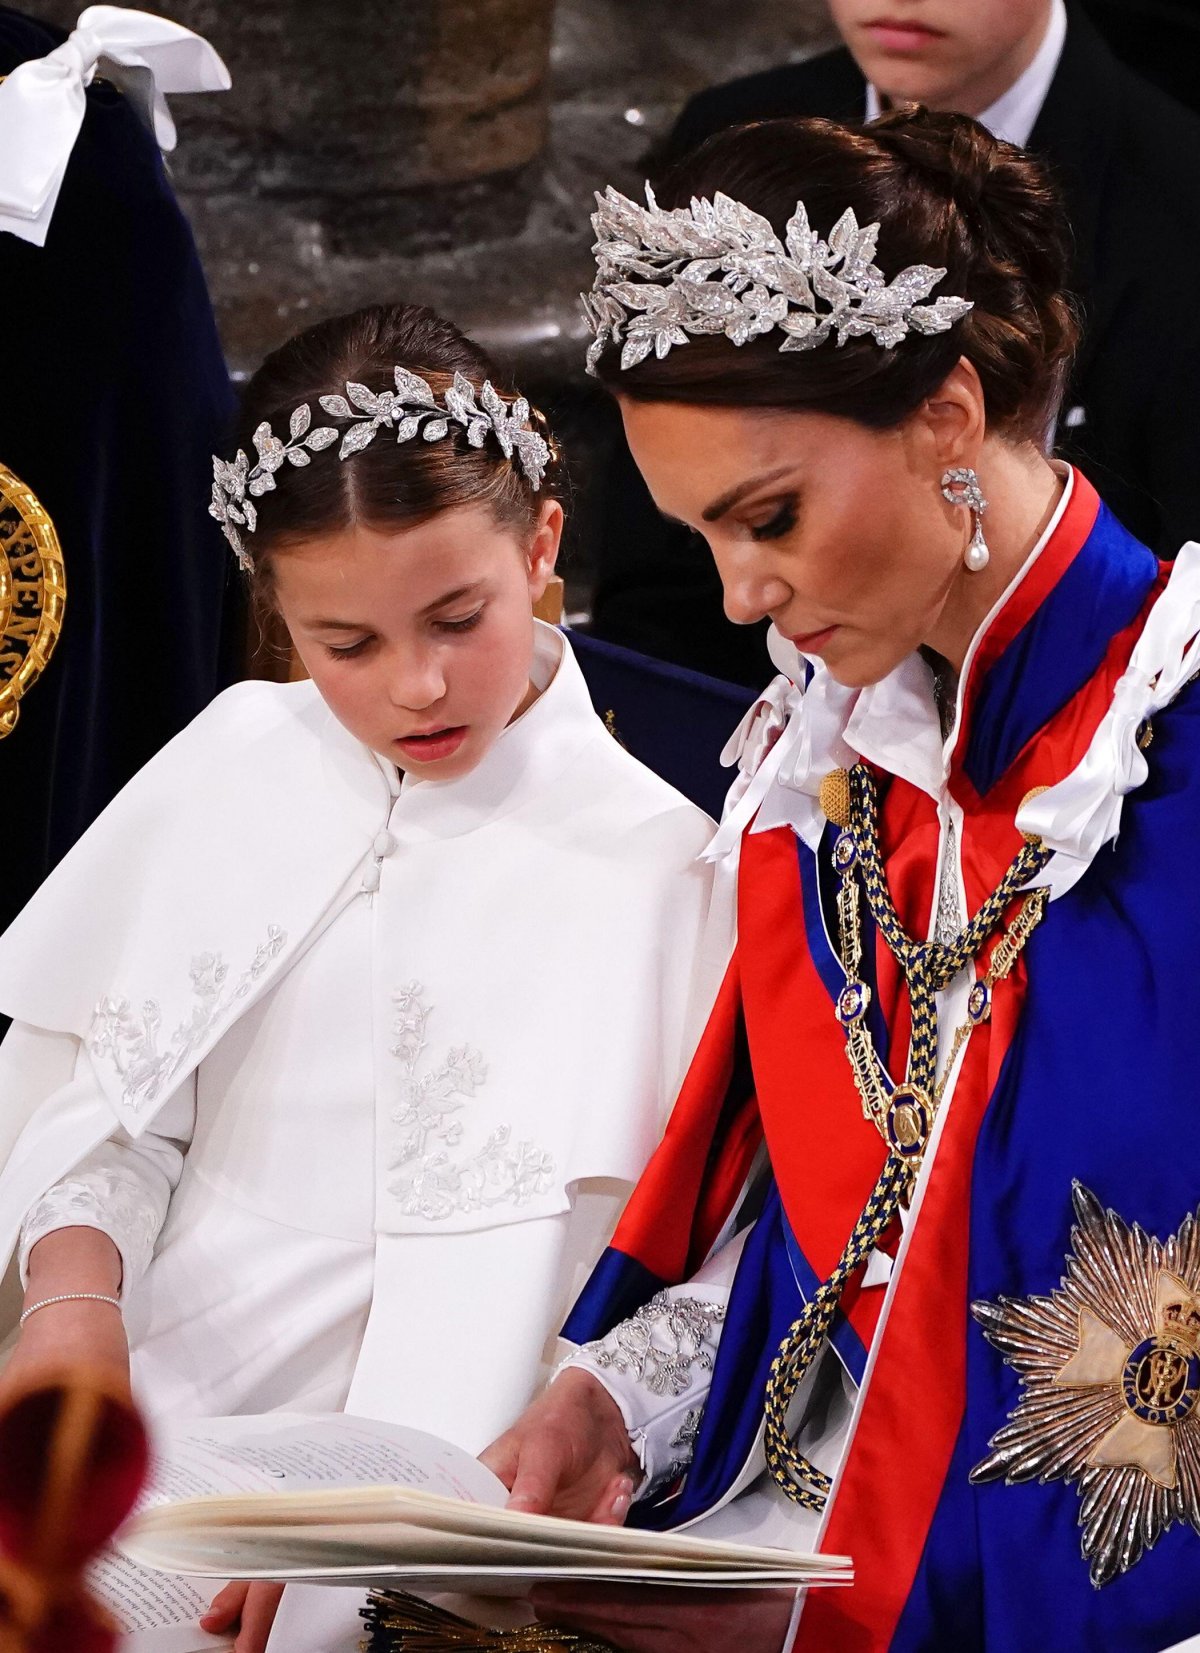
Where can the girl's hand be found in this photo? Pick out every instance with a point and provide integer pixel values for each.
(76, 1334)
(569, 1454)
(251, 1606)
(80, 1332)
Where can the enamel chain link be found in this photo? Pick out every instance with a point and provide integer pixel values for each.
(903, 1114)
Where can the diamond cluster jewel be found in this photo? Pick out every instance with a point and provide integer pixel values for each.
(411, 409)
(717, 267)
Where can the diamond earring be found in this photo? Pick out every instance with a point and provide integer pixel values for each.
(960, 486)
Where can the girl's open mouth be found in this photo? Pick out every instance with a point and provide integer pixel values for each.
(440, 743)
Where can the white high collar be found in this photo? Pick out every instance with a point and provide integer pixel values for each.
(798, 731)
(895, 723)
(529, 753)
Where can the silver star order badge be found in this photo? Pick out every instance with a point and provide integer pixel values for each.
(1110, 1372)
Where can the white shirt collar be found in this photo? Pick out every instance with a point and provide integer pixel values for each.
(1014, 113)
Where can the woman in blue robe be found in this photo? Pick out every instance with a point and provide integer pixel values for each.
(915, 1276)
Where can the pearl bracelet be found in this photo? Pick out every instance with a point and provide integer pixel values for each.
(69, 1297)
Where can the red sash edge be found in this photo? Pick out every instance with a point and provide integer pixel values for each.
(810, 1110)
(916, 1387)
(679, 1179)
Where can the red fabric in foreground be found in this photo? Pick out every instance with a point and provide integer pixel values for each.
(72, 1462)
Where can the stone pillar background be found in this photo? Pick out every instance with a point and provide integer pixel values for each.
(445, 152)
(438, 150)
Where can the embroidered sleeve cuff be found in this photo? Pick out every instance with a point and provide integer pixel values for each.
(657, 1366)
(117, 1205)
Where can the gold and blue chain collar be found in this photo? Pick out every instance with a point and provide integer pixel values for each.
(904, 1114)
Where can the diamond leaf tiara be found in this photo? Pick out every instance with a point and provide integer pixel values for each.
(718, 267)
(410, 409)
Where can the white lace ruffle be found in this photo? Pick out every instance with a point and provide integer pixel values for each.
(663, 1346)
(771, 744)
(116, 1203)
(788, 741)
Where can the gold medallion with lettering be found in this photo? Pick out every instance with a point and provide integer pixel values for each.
(33, 594)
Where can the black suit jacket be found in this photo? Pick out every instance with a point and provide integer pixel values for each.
(1127, 159)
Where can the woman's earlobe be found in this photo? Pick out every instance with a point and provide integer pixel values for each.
(956, 418)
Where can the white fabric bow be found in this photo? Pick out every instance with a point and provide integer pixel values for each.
(790, 737)
(1082, 812)
(42, 101)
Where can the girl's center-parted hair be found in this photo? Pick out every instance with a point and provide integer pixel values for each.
(388, 484)
(945, 193)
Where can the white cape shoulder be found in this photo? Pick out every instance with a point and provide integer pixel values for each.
(217, 859)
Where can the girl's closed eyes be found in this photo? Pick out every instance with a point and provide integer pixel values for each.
(468, 623)
(348, 651)
(351, 651)
(365, 1131)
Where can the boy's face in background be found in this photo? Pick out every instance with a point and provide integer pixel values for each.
(947, 54)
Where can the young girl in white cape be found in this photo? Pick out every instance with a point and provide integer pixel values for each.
(339, 1038)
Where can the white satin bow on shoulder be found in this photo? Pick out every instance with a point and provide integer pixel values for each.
(1082, 812)
(42, 101)
(793, 736)
(786, 743)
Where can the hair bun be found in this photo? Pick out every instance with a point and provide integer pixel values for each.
(1008, 220)
(960, 156)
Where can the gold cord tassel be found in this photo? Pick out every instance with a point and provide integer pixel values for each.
(400, 1623)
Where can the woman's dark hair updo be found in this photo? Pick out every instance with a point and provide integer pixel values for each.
(388, 484)
(944, 192)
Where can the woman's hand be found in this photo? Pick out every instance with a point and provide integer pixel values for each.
(252, 1607)
(643, 1619)
(569, 1454)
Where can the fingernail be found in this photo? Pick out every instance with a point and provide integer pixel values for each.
(621, 1503)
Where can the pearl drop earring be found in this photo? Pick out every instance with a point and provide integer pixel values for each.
(960, 486)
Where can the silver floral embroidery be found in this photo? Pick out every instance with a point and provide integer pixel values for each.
(683, 1441)
(105, 1199)
(430, 1181)
(129, 1038)
(663, 1344)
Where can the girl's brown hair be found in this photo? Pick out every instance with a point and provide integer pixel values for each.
(388, 484)
(944, 192)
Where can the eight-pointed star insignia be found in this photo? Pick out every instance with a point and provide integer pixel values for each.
(1110, 1373)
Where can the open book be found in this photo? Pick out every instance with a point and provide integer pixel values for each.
(348, 1501)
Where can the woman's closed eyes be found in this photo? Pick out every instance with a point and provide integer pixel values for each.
(776, 526)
